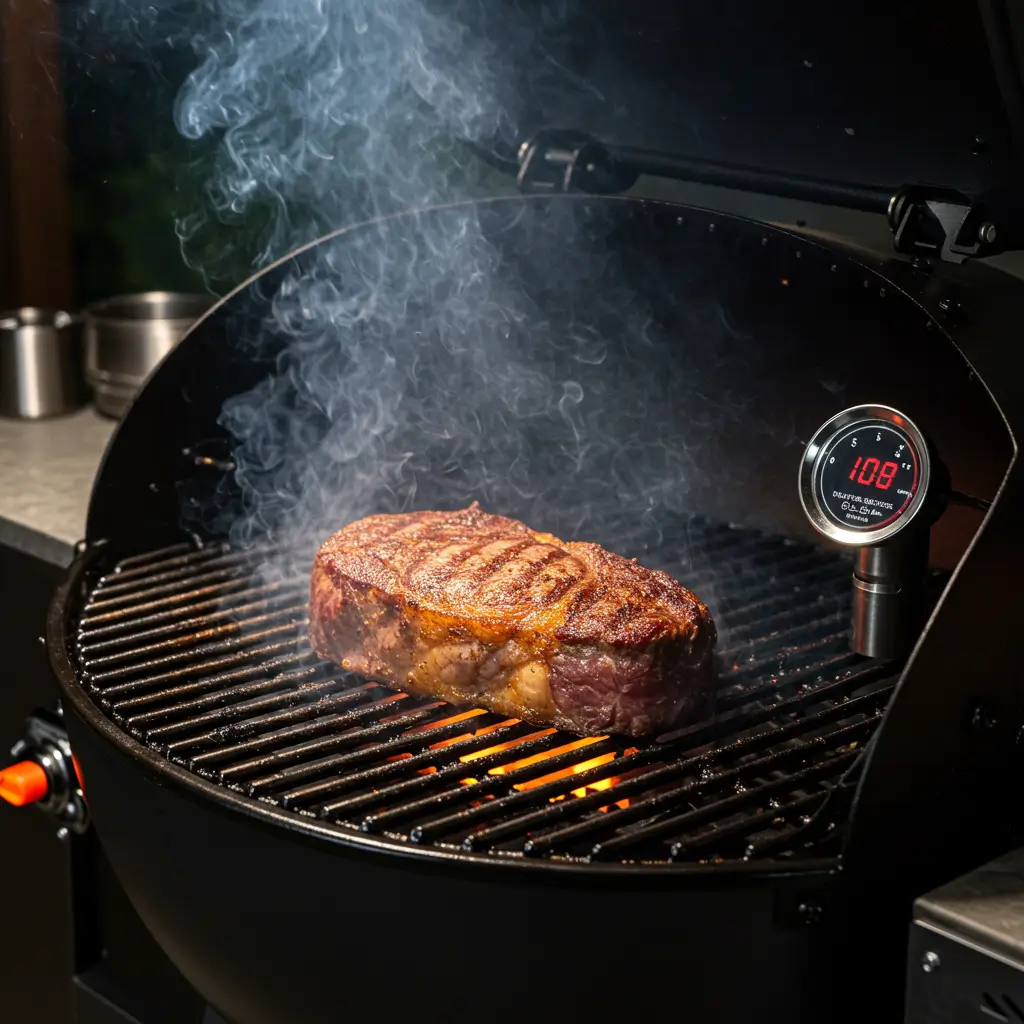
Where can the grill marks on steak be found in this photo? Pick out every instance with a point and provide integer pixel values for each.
(475, 608)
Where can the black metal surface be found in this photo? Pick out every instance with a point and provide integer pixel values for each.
(936, 787)
(566, 161)
(190, 653)
(68, 917)
(37, 950)
(791, 90)
(927, 222)
(270, 926)
(758, 336)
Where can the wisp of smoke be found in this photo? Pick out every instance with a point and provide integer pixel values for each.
(433, 359)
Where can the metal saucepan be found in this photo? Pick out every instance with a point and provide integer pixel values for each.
(127, 336)
(40, 363)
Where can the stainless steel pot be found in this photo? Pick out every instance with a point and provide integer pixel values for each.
(40, 363)
(126, 337)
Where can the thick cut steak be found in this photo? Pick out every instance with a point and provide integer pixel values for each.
(476, 608)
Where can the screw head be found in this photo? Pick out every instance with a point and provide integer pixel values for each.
(810, 913)
(930, 962)
(63, 832)
(982, 720)
(987, 232)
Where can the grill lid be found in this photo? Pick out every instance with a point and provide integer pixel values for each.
(790, 286)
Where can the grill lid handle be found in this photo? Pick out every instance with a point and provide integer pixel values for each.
(926, 221)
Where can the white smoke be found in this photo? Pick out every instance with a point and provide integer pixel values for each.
(329, 111)
(504, 352)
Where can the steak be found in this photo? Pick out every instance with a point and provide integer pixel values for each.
(474, 608)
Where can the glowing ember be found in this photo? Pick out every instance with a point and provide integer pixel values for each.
(461, 717)
(467, 735)
(539, 758)
(544, 755)
(466, 758)
(566, 772)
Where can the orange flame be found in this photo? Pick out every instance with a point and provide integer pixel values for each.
(581, 766)
(461, 717)
(538, 758)
(468, 735)
(544, 755)
(566, 772)
(501, 769)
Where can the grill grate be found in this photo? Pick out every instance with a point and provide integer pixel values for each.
(188, 651)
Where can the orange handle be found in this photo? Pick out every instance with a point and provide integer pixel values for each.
(23, 783)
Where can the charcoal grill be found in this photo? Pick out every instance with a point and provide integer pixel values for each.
(279, 823)
(306, 845)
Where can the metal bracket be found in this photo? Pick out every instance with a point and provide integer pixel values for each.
(937, 223)
(556, 160)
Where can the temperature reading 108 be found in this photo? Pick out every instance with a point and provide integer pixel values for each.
(868, 474)
(874, 472)
(862, 473)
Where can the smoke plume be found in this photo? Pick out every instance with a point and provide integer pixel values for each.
(506, 352)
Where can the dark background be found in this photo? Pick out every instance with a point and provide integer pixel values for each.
(881, 92)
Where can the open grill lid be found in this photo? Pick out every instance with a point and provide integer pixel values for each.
(765, 277)
(843, 105)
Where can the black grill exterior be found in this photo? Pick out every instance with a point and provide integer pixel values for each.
(187, 650)
(305, 845)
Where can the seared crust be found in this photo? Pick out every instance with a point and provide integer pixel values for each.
(499, 575)
(469, 606)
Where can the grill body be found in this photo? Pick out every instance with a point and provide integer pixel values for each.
(682, 900)
(195, 657)
(272, 926)
(265, 904)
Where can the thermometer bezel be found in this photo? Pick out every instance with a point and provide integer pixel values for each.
(812, 464)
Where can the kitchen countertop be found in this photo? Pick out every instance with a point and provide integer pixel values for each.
(46, 473)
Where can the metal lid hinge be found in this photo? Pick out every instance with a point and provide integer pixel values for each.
(937, 223)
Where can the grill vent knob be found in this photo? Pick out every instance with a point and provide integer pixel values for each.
(46, 774)
(24, 783)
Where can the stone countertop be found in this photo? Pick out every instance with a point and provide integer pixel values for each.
(46, 473)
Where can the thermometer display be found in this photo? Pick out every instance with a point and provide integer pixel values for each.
(864, 475)
(868, 476)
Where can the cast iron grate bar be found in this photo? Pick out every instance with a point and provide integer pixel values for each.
(194, 653)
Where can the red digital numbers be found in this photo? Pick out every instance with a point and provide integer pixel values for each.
(885, 475)
(874, 472)
(868, 472)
